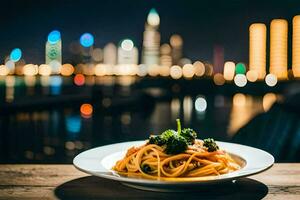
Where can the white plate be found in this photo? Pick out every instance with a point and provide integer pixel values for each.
(100, 160)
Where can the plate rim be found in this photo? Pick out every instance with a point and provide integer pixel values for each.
(108, 174)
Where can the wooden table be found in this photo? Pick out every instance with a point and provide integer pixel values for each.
(282, 181)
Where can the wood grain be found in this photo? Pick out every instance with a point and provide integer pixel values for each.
(282, 181)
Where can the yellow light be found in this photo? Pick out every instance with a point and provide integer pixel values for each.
(240, 80)
(199, 68)
(219, 79)
(176, 72)
(30, 70)
(239, 99)
(257, 49)
(188, 71)
(67, 69)
(252, 75)
(268, 100)
(44, 70)
(3, 70)
(153, 70)
(296, 46)
(100, 70)
(279, 48)
(229, 70)
(164, 70)
(271, 80)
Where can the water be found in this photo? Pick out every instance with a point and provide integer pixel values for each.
(45, 122)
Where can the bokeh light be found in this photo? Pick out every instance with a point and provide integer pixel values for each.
(219, 79)
(271, 80)
(67, 69)
(127, 45)
(200, 104)
(240, 68)
(239, 99)
(86, 110)
(188, 71)
(240, 80)
(86, 40)
(153, 18)
(44, 70)
(176, 72)
(79, 79)
(3, 70)
(229, 70)
(199, 68)
(252, 75)
(16, 55)
(30, 70)
(54, 37)
(142, 70)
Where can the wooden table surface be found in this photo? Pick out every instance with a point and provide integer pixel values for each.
(282, 181)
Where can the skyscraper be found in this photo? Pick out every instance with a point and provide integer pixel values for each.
(151, 41)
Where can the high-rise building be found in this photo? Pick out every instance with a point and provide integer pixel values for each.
(176, 44)
(296, 46)
(53, 51)
(279, 48)
(257, 49)
(151, 40)
(110, 54)
(127, 53)
(218, 59)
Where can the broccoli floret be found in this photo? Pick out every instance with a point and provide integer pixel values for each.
(210, 144)
(176, 144)
(167, 134)
(157, 139)
(189, 134)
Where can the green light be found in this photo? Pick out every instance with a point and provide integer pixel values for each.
(240, 68)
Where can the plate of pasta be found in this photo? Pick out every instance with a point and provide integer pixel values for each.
(172, 160)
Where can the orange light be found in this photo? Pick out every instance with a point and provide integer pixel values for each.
(67, 70)
(296, 46)
(257, 49)
(79, 79)
(279, 48)
(219, 79)
(86, 110)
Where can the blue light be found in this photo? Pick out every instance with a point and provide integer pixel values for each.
(54, 37)
(73, 126)
(87, 40)
(16, 54)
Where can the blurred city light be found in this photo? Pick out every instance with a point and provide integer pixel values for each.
(279, 48)
(16, 55)
(271, 80)
(86, 40)
(200, 104)
(240, 80)
(86, 110)
(54, 37)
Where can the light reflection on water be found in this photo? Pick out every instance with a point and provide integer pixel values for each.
(58, 134)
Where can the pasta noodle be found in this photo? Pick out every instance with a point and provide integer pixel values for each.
(151, 161)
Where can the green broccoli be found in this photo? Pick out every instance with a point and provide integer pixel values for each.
(210, 144)
(157, 139)
(189, 134)
(176, 144)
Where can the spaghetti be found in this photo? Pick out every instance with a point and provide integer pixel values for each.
(151, 161)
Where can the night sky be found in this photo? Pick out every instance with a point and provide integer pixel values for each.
(202, 24)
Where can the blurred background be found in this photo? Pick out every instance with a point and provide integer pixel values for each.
(80, 74)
